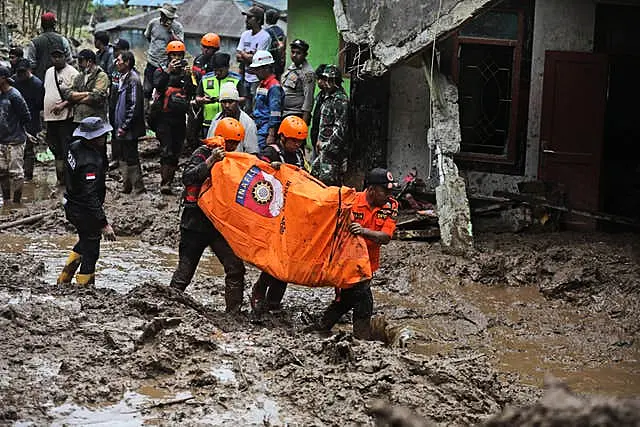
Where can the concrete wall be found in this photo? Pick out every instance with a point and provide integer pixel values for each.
(408, 120)
(566, 25)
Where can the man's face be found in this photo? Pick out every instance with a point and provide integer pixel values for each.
(208, 50)
(250, 21)
(13, 58)
(164, 21)
(57, 59)
(98, 44)
(221, 72)
(298, 55)
(230, 145)
(229, 107)
(83, 63)
(262, 72)
(379, 195)
(121, 65)
(292, 144)
(323, 83)
(22, 75)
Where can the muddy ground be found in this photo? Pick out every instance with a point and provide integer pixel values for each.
(485, 330)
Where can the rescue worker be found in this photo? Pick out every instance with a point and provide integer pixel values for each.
(209, 45)
(83, 199)
(331, 147)
(196, 230)
(268, 291)
(267, 111)
(41, 48)
(374, 219)
(230, 102)
(208, 91)
(299, 83)
(174, 87)
(129, 121)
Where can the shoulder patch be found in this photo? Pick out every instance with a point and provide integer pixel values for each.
(90, 176)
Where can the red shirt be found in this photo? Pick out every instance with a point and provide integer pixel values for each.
(376, 219)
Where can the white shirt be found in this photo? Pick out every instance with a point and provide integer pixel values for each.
(52, 95)
(250, 142)
(251, 43)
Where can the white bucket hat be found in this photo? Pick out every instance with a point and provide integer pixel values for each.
(260, 58)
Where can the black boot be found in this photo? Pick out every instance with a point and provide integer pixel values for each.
(126, 178)
(17, 190)
(233, 293)
(60, 172)
(5, 185)
(135, 176)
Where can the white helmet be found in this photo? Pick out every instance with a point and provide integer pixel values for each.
(260, 58)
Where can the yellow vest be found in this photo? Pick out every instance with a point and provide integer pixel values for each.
(211, 86)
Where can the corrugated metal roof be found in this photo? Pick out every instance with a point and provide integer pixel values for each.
(222, 17)
(141, 3)
(280, 5)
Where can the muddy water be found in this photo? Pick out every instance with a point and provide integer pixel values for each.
(123, 264)
(521, 333)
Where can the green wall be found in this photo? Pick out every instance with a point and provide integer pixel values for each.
(313, 21)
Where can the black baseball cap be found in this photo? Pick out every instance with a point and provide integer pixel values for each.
(220, 60)
(87, 54)
(23, 65)
(5, 72)
(382, 177)
(300, 44)
(122, 44)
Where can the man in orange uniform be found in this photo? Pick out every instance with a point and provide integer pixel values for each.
(374, 218)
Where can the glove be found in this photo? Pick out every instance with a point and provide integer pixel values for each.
(276, 165)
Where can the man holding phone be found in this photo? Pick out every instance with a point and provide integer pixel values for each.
(160, 32)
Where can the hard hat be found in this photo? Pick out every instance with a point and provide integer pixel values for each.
(260, 58)
(214, 141)
(175, 46)
(210, 40)
(230, 128)
(228, 92)
(293, 127)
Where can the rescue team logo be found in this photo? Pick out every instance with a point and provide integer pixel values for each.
(260, 192)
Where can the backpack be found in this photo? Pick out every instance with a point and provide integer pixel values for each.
(175, 100)
(276, 47)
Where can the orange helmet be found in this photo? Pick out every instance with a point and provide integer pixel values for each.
(230, 128)
(214, 141)
(210, 40)
(293, 127)
(175, 46)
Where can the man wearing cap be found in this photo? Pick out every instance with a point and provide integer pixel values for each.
(267, 111)
(299, 83)
(14, 117)
(40, 48)
(251, 41)
(230, 103)
(104, 55)
(84, 197)
(119, 47)
(208, 90)
(59, 122)
(32, 90)
(88, 93)
(331, 147)
(15, 54)
(374, 218)
(159, 32)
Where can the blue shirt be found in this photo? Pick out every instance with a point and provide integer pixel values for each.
(32, 90)
(14, 116)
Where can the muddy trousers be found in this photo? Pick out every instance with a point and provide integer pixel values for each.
(192, 245)
(11, 170)
(58, 136)
(269, 290)
(360, 299)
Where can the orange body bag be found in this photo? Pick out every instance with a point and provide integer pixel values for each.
(285, 222)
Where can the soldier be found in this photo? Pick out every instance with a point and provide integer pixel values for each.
(196, 230)
(84, 197)
(331, 148)
(298, 83)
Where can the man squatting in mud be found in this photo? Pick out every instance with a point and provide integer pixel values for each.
(374, 218)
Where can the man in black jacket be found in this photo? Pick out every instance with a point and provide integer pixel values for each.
(84, 197)
(196, 230)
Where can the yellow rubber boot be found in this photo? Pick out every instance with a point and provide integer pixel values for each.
(70, 267)
(85, 279)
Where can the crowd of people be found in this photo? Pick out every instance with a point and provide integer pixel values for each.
(265, 109)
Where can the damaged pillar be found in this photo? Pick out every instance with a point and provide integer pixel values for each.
(444, 138)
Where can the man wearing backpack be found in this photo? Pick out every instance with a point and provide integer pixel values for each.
(40, 49)
(174, 88)
(278, 45)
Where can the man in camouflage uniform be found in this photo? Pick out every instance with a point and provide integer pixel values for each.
(331, 147)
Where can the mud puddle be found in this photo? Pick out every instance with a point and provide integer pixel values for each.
(123, 264)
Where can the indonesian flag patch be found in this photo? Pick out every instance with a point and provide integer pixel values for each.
(90, 176)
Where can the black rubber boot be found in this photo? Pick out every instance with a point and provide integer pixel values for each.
(17, 190)
(135, 176)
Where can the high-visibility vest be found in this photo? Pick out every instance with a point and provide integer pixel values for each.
(211, 86)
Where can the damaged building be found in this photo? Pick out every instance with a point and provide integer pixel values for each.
(518, 96)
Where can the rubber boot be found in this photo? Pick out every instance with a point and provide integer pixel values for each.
(258, 293)
(126, 178)
(60, 172)
(5, 185)
(70, 267)
(29, 164)
(362, 328)
(233, 297)
(165, 187)
(170, 172)
(85, 279)
(17, 190)
(135, 176)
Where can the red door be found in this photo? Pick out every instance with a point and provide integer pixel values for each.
(572, 124)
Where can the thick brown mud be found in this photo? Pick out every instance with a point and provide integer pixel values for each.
(484, 330)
